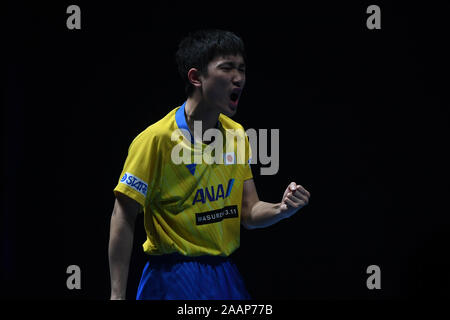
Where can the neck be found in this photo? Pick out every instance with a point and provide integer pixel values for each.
(197, 110)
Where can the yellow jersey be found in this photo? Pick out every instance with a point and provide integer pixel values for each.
(191, 207)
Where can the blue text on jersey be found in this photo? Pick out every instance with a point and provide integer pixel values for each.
(209, 194)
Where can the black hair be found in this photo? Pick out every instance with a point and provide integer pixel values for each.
(199, 48)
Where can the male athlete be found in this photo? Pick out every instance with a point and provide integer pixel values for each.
(193, 212)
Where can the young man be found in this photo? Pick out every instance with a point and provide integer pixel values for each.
(193, 212)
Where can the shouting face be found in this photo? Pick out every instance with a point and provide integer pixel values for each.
(223, 83)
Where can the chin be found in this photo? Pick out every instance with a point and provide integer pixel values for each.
(229, 111)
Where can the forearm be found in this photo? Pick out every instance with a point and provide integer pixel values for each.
(263, 214)
(120, 248)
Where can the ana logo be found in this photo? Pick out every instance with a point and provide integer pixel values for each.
(134, 183)
(211, 194)
(229, 158)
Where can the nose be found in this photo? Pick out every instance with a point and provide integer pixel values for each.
(238, 78)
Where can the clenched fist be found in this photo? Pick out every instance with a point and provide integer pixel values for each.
(294, 198)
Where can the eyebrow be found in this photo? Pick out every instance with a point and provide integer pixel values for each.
(231, 63)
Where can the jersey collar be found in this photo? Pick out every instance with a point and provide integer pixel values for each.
(180, 119)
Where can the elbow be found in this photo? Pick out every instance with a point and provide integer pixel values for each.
(246, 224)
(248, 227)
(247, 219)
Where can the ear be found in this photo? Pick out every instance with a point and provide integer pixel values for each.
(194, 77)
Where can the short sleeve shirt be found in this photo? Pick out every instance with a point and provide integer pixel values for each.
(191, 193)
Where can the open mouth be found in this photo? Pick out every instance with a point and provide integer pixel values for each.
(234, 97)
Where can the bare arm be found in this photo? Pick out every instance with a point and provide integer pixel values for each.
(260, 214)
(121, 236)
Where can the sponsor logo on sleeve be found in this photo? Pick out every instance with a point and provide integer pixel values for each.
(134, 183)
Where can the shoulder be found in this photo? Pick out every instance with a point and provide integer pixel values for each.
(229, 124)
(233, 128)
(156, 131)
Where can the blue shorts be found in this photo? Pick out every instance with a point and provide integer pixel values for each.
(176, 277)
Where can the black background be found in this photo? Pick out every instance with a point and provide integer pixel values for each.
(363, 118)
